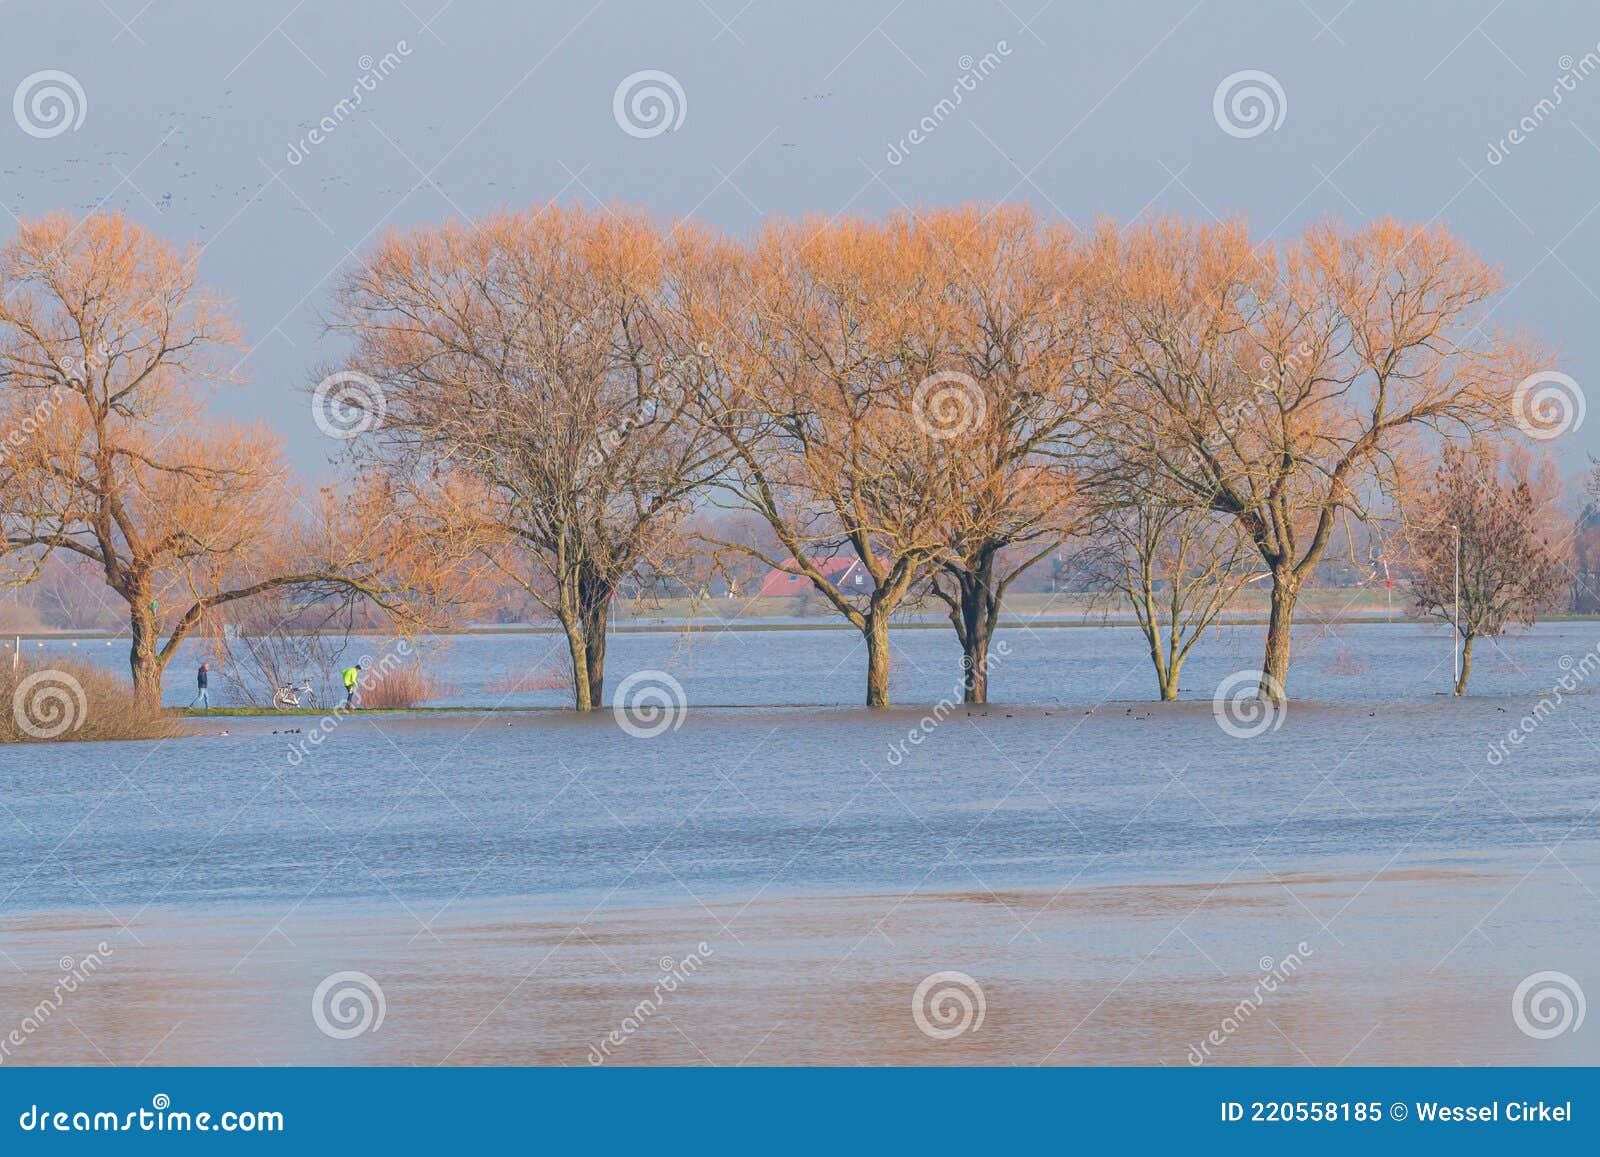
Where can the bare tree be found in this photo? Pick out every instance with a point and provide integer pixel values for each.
(1274, 384)
(1179, 568)
(533, 407)
(1007, 409)
(179, 514)
(821, 333)
(1512, 540)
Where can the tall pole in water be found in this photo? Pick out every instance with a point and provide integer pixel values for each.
(1455, 615)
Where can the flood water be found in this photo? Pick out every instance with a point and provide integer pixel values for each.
(1113, 874)
(718, 666)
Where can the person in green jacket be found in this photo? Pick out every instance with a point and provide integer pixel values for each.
(352, 678)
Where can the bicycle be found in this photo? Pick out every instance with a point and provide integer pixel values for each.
(288, 696)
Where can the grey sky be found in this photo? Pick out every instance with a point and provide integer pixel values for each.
(1389, 108)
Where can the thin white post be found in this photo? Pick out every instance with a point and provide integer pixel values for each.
(1455, 615)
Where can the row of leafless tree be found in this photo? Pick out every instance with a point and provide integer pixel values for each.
(547, 398)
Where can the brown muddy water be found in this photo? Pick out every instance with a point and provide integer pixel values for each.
(1405, 967)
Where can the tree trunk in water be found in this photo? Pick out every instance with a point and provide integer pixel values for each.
(142, 659)
(1166, 680)
(582, 699)
(1466, 665)
(975, 668)
(975, 610)
(1275, 666)
(877, 634)
(595, 615)
(1169, 683)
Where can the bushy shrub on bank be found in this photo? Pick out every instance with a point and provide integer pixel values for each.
(400, 687)
(60, 700)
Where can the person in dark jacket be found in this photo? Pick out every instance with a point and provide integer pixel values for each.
(202, 683)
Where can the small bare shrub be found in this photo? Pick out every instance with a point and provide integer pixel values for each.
(405, 686)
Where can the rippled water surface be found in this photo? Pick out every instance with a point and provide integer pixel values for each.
(1363, 661)
(1068, 842)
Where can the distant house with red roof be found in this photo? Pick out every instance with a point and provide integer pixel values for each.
(844, 572)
